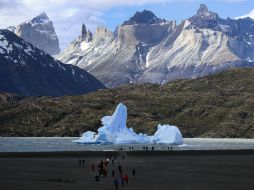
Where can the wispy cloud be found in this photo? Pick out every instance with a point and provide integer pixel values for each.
(67, 15)
(250, 14)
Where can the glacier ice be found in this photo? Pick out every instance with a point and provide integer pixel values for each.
(115, 131)
(167, 134)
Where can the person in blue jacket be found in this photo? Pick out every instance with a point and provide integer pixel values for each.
(116, 183)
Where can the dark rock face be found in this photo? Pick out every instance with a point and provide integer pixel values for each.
(204, 18)
(85, 35)
(83, 31)
(231, 27)
(144, 17)
(28, 71)
(203, 10)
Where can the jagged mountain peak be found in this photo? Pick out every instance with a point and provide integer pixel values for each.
(203, 9)
(103, 34)
(148, 49)
(143, 17)
(204, 12)
(102, 30)
(40, 19)
(40, 32)
(83, 30)
(204, 18)
(43, 15)
(28, 71)
(86, 35)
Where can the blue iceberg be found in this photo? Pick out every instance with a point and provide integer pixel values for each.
(115, 131)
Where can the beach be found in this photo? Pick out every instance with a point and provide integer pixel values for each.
(176, 170)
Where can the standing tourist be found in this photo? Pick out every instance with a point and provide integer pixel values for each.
(116, 183)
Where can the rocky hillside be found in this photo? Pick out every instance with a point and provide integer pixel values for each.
(8, 97)
(146, 48)
(28, 71)
(220, 105)
(40, 32)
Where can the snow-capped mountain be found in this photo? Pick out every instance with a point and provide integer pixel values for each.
(119, 57)
(149, 49)
(26, 70)
(201, 45)
(40, 32)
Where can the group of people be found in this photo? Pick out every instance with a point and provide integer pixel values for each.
(146, 148)
(117, 173)
(152, 148)
(143, 148)
(81, 162)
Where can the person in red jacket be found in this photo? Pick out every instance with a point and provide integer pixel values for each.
(105, 173)
(126, 178)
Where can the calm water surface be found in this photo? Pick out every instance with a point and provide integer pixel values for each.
(44, 144)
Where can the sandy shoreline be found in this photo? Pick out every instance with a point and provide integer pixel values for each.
(131, 153)
(164, 170)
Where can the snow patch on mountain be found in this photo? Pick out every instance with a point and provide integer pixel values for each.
(249, 59)
(84, 45)
(5, 47)
(29, 50)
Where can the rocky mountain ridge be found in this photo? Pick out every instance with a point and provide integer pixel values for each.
(40, 32)
(146, 48)
(28, 71)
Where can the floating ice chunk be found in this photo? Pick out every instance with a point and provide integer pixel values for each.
(114, 127)
(87, 137)
(167, 134)
(115, 131)
(130, 137)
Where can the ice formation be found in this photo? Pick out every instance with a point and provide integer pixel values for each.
(115, 131)
(167, 134)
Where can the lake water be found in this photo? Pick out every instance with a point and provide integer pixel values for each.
(45, 144)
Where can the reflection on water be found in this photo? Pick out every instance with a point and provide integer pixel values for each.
(41, 144)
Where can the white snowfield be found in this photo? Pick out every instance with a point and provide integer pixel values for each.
(115, 131)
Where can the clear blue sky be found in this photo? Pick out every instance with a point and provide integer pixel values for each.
(179, 10)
